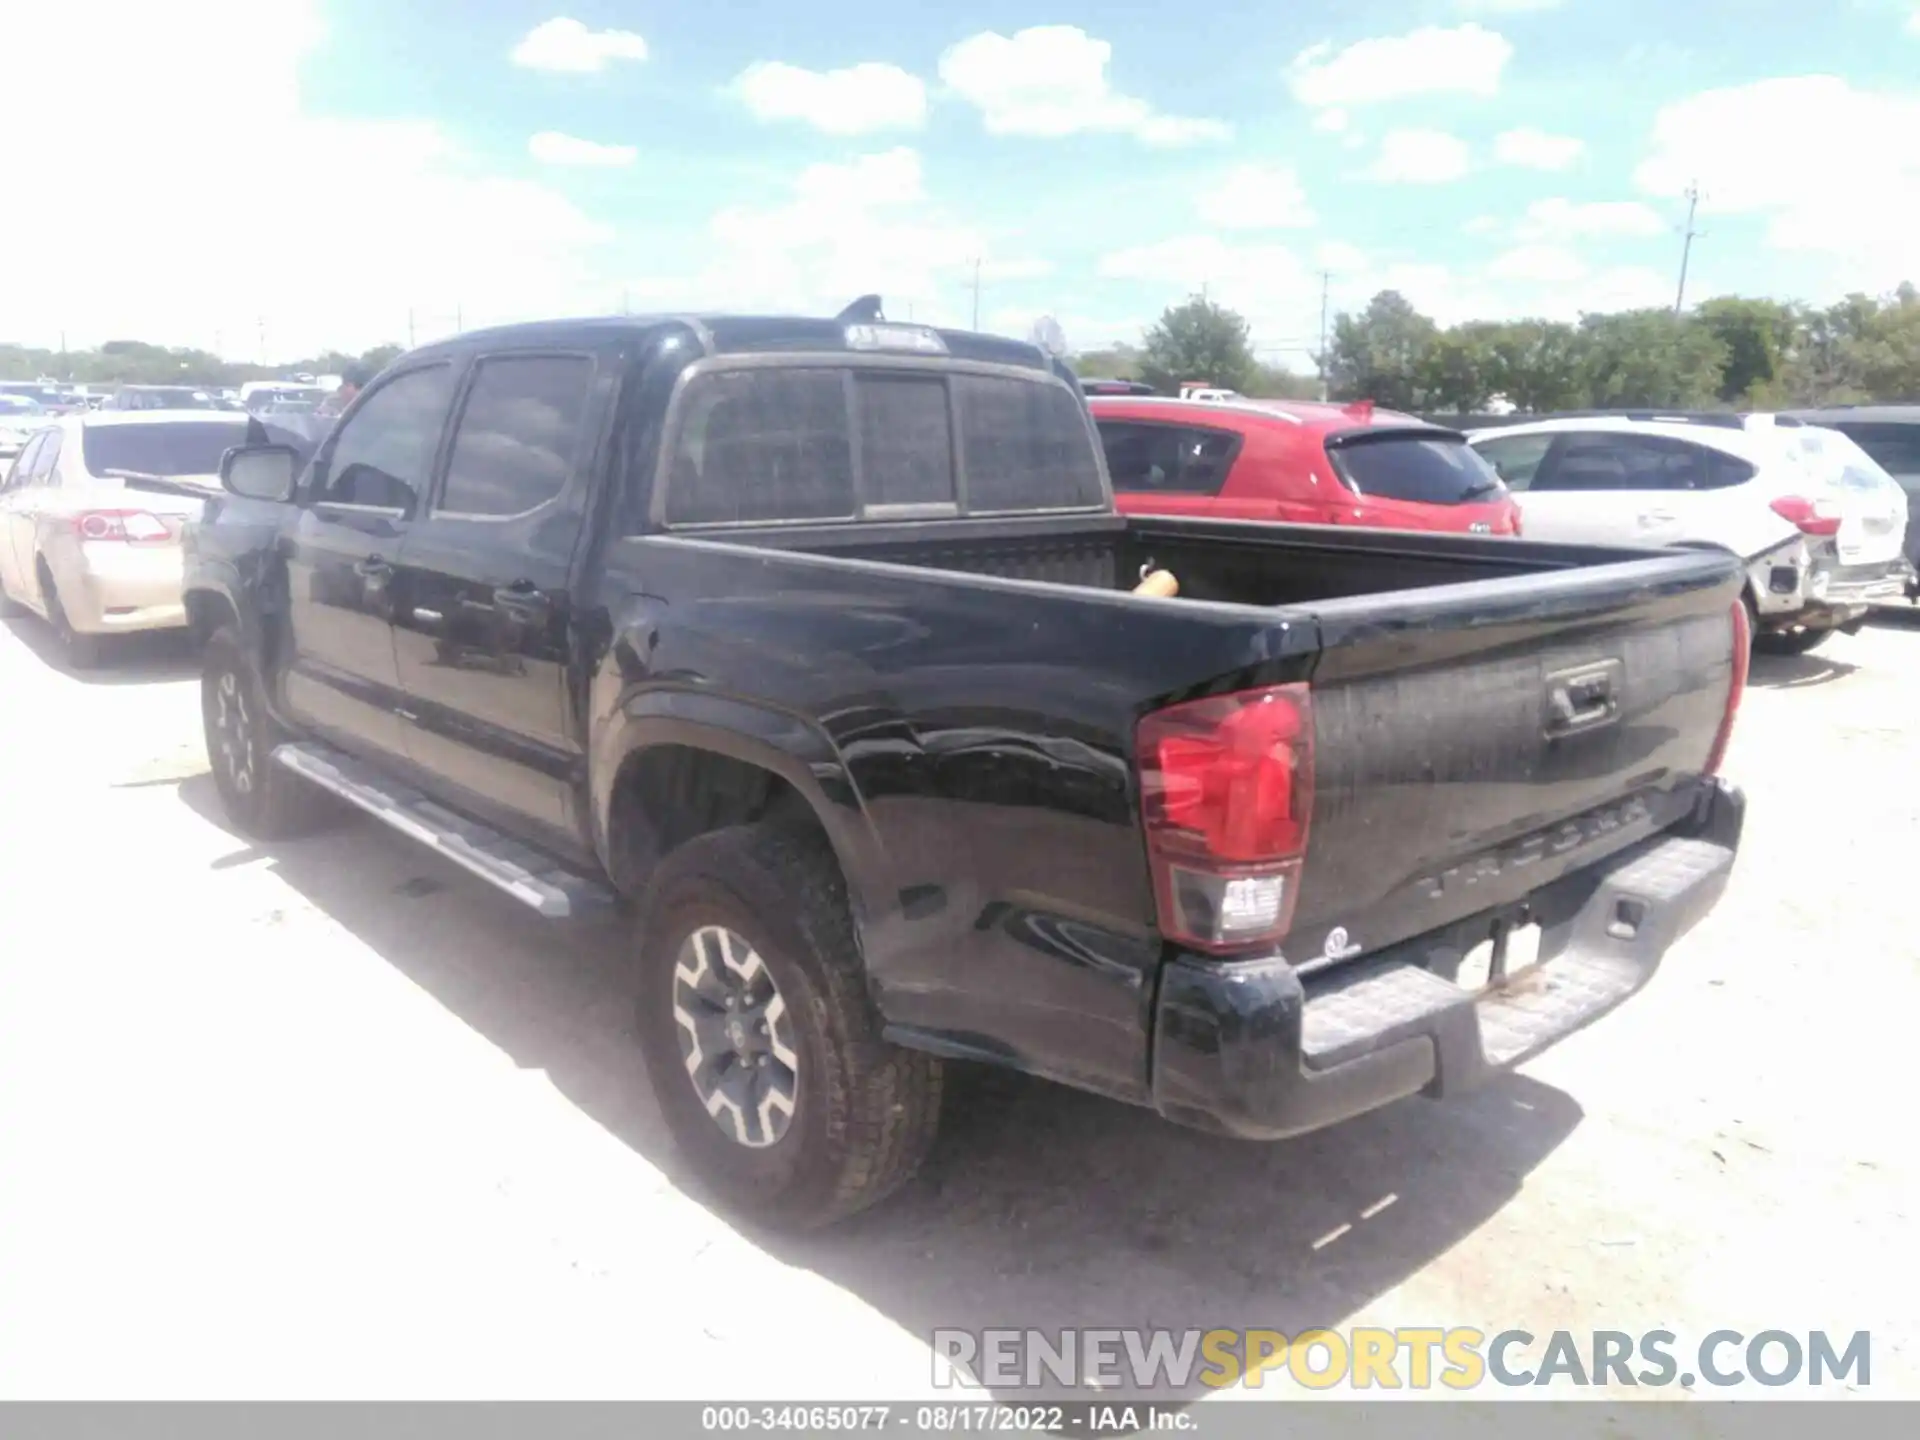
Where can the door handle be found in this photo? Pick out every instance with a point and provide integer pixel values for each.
(521, 599)
(1655, 517)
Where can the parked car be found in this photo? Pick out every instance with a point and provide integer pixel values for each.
(821, 643)
(164, 397)
(1298, 461)
(1817, 553)
(1891, 435)
(91, 514)
(20, 419)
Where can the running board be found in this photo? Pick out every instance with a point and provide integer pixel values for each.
(528, 875)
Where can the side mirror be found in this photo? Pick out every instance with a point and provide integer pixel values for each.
(261, 472)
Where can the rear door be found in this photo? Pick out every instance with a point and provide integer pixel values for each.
(363, 491)
(1163, 469)
(482, 595)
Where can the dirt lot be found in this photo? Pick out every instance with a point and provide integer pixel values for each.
(332, 1120)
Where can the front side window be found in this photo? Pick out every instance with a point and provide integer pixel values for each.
(513, 450)
(382, 456)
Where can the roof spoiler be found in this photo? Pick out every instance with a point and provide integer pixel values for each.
(1361, 410)
(864, 311)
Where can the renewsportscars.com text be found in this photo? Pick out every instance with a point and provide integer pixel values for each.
(1410, 1358)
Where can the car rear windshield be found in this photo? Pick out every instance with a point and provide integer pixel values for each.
(1426, 469)
(180, 447)
(824, 443)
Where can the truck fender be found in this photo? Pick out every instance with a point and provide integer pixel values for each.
(785, 745)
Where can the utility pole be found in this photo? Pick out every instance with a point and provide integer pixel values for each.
(263, 339)
(976, 292)
(459, 328)
(1320, 360)
(409, 327)
(1686, 246)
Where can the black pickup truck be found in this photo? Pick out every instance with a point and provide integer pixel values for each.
(816, 644)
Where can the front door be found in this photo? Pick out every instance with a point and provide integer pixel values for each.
(362, 493)
(14, 517)
(483, 616)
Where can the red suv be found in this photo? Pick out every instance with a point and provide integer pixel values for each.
(1297, 461)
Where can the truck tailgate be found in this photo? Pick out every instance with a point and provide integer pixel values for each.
(1473, 742)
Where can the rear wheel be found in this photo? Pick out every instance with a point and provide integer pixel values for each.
(82, 651)
(763, 1048)
(266, 800)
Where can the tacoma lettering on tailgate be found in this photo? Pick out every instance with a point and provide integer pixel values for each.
(1562, 838)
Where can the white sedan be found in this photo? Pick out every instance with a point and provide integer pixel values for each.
(91, 517)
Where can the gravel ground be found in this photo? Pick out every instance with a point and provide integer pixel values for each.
(332, 1120)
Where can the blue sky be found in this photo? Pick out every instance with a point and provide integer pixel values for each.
(1489, 157)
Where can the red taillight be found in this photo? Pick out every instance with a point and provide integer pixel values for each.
(1736, 684)
(1516, 520)
(1226, 795)
(135, 527)
(1812, 517)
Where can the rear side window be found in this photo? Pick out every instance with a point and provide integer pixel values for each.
(1641, 462)
(1167, 459)
(1425, 469)
(172, 448)
(382, 455)
(514, 448)
(1515, 458)
(787, 442)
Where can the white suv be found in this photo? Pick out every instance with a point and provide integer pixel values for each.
(1818, 523)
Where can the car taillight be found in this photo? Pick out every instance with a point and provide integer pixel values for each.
(1736, 684)
(135, 527)
(1811, 517)
(1226, 796)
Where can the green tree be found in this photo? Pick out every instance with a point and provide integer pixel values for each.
(1116, 362)
(1456, 373)
(1756, 335)
(1535, 365)
(1650, 358)
(1198, 340)
(1378, 354)
(1277, 382)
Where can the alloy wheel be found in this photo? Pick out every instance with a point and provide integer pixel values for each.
(736, 1036)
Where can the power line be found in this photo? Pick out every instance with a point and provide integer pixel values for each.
(1686, 246)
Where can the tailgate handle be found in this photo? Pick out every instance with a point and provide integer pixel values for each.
(1583, 699)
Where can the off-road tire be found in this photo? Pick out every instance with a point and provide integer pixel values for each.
(277, 804)
(865, 1111)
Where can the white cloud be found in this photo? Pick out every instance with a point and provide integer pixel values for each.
(857, 100)
(1563, 219)
(1537, 150)
(568, 47)
(550, 147)
(1271, 285)
(1790, 152)
(1030, 268)
(1051, 80)
(1257, 197)
(1421, 157)
(215, 263)
(1913, 22)
(1505, 7)
(843, 230)
(1339, 256)
(1547, 264)
(1484, 225)
(1434, 60)
(1332, 122)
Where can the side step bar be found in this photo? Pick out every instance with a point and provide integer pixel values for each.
(529, 876)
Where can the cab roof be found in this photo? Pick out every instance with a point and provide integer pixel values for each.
(727, 334)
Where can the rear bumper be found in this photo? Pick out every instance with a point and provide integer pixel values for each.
(1252, 1050)
(107, 587)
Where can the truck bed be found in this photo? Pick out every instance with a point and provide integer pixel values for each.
(981, 685)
